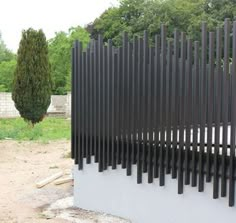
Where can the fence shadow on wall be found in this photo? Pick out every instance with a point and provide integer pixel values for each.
(167, 108)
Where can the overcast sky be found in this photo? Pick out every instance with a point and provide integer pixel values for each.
(50, 15)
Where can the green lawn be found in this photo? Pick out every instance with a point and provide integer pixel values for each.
(48, 129)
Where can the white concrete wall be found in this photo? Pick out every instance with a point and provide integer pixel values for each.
(115, 193)
(7, 107)
(59, 104)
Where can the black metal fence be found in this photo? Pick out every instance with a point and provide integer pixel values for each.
(168, 108)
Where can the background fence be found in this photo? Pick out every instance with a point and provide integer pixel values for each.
(167, 107)
(60, 106)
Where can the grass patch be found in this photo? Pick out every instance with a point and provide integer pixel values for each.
(49, 129)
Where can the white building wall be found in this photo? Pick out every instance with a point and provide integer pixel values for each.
(115, 193)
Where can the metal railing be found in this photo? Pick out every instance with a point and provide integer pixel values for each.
(168, 108)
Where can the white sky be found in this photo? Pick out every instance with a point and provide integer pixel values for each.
(50, 15)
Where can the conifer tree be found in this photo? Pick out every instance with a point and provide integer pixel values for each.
(32, 80)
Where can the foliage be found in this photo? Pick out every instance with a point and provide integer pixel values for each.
(134, 16)
(3, 88)
(221, 9)
(32, 80)
(49, 129)
(109, 24)
(60, 57)
(5, 54)
(7, 69)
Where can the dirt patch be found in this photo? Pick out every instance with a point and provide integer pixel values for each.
(24, 163)
(21, 165)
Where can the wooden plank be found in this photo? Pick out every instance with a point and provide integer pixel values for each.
(49, 179)
(63, 180)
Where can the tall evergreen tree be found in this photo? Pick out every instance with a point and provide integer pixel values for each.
(32, 80)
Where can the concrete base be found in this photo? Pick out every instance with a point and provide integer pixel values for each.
(115, 193)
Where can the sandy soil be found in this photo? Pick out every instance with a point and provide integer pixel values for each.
(24, 163)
